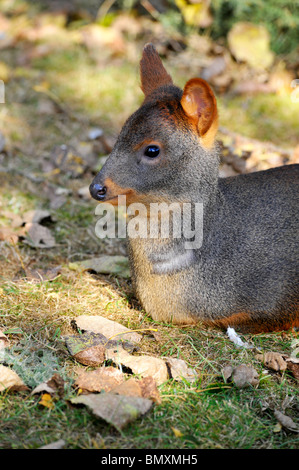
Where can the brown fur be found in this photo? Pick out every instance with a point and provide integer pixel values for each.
(152, 72)
(199, 103)
(245, 274)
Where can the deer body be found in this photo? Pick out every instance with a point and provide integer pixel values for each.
(232, 286)
(245, 273)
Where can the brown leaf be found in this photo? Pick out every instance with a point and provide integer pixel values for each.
(179, 370)
(227, 372)
(242, 375)
(93, 356)
(108, 328)
(54, 445)
(286, 421)
(107, 264)
(57, 383)
(140, 365)
(117, 410)
(51, 387)
(80, 343)
(104, 378)
(149, 389)
(38, 275)
(3, 340)
(146, 388)
(273, 360)
(293, 367)
(38, 236)
(9, 379)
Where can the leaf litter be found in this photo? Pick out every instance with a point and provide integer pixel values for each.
(10, 380)
(109, 328)
(117, 410)
(242, 375)
(113, 393)
(29, 229)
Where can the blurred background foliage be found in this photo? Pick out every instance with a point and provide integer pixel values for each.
(80, 59)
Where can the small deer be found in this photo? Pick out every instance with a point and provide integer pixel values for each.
(244, 274)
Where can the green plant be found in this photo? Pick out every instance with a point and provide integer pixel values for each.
(280, 17)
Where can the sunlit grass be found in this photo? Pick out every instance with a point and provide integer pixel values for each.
(266, 117)
(107, 92)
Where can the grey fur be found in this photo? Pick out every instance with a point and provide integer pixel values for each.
(248, 263)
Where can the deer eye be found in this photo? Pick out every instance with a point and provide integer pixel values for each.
(152, 151)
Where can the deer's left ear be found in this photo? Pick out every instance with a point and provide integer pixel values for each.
(199, 104)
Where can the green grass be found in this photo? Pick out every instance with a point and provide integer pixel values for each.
(265, 117)
(208, 414)
(36, 315)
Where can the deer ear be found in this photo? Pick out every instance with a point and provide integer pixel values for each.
(152, 71)
(199, 104)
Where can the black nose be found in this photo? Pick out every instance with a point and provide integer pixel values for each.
(97, 191)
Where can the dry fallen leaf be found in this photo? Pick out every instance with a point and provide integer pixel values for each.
(89, 348)
(9, 379)
(227, 372)
(104, 378)
(38, 275)
(93, 356)
(36, 216)
(149, 389)
(89, 339)
(107, 264)
(140, 365)
(293, 367)
(179, 370)
(46, 401)
(54, 445)
(130, 388)
(38, 236)
(43, 388)
(177, 432)
(273, 360)
(108, 328)
(117, 410)
(286, 421)
(54, 385)
(242, 375)
(3, 340)
(146, 388)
